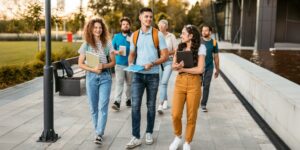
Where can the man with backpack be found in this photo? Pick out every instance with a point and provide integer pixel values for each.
(121, 44)
(211, 60)
(148, 48)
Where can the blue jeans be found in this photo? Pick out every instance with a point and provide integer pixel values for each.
(206, 85)
(98, 88)
(140, 82)
(164, 79)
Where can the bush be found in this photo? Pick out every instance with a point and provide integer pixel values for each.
(9, 75)
(14, 74)
(66, 52)
(41, 55)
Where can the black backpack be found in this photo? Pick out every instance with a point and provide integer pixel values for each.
(66, 67)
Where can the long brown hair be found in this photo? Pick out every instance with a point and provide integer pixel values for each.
(88, 32)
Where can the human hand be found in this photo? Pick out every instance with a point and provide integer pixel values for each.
(148, 66)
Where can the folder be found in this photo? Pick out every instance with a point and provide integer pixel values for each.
(186, 57)
(134, 68)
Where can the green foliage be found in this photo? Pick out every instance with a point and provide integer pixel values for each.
(14, 26)
(160, 16)
(194, 16)
(33, 16)
(112, 11)
(177, 11)
(15, 74)
(112, 20)
(76, 22)
(100, 7)
(64, 53)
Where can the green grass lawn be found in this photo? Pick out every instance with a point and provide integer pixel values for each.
(24, 51)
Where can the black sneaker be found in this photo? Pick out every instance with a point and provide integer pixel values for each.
(128, 103)
(203, 109)
(116, 106)
(99, 140)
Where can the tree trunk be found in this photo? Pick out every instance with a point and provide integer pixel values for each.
(56, 31)
(39, 42)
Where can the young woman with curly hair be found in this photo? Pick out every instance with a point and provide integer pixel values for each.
(187, 86)
(98, 78)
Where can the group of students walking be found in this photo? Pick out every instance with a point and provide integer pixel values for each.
(156, 51)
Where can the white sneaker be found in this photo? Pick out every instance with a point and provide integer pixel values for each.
(175, 144)
(134, 142)
(165, 105)
(186, 146)
(149, 138)
(160, 109)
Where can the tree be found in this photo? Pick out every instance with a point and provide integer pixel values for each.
(177, 11)
(131, 9)
(100, 7)
(33, 17)
(76, 22)
(56, 21)
(113, 10)
(161, 15)
(112, 20)
(194, 15)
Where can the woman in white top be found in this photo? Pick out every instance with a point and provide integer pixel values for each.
(166, 73)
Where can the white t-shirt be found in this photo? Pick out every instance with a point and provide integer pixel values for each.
(202, 50)
(171, 41)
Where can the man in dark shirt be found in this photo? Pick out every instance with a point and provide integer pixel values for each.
(211, 61)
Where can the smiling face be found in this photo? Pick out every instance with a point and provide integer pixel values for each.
(185, 36)
(97, 29)
(146, 18)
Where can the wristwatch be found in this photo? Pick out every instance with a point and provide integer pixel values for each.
(153, 64)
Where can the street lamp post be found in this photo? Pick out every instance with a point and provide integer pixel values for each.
(48, 134)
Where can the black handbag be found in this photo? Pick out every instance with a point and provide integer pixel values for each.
(66, 67)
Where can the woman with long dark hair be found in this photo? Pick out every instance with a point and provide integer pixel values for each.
(187, 86)
(98, 78)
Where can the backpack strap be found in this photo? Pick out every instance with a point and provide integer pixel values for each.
(135, 40)
(106, 51)
(135, 37)
(215, 44)
(155, 39)
(86, 46)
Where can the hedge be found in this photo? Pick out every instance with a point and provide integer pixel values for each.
(14, 74)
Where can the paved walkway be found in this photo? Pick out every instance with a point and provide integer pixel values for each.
(227, 125)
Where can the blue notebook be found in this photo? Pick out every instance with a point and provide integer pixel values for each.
(134, 68)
